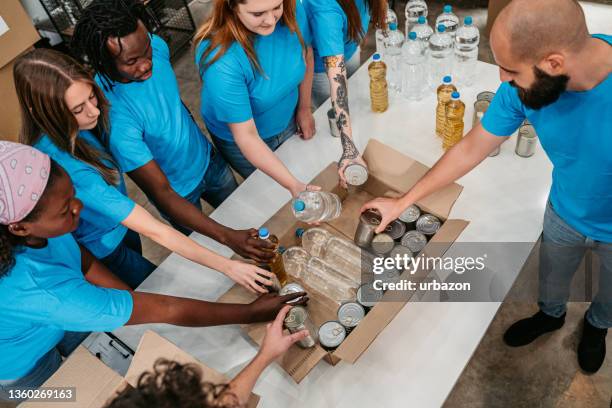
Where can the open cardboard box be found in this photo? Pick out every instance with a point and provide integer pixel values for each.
(390, 174)
(96, 384)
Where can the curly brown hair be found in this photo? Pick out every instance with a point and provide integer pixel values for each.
(174, 385)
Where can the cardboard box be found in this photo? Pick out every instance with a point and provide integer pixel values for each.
(391, 174)
(96, 384)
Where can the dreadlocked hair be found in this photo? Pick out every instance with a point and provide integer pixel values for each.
(101, 20)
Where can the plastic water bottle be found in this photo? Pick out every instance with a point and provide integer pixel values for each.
(414, 68)
(414, 9)
(466, 52)
(453, 131)
(449, 20)
(382, 32)
(316, 206)
(440, 55)
(422, 29)
(379, 94)
(444, 92)
(393, 56)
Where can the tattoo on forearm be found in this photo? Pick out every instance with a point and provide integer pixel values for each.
(349, 150)
(335, 62)
(340, 103)
(342, 92)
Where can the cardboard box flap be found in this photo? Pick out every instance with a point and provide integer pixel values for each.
(21, 33)
(94, 382)
(399, 173)
(152, 346)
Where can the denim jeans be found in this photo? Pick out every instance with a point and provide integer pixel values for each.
(46, 365)
(231, 152)
(127, 262)
(320, 81)
(561, 252)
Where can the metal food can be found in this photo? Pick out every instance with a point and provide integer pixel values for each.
(415, 241)
(368, 222)
(350, 314)
(410, 215)
(291, 288)
(404, 253)
(333, 126)
(396, 229)
(356, 174)
(485, 96)
(331, 334)
(428, 224)
(382, 243)
(296, 320)
(526, 141)
(368, 297)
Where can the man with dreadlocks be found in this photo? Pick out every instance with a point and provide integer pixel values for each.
(154, 138)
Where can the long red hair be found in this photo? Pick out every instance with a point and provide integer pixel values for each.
(378, 13)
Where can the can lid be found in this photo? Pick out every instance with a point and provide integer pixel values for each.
(447, 79)
(412, 35)
(264, 233)
(392, 26)
(299, 232)
(376, 57)
(296, 316)
(299, 205)
(331, 333)
(448, 8)
(368, 296)
(350, 314)
(467, 20)
(441, 28)
(455, 95)
(422, 20)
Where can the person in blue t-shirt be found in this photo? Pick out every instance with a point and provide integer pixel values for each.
(562, 84)
(65, 114)
(54, 292)
(153, 136)
(337, 29)
(256, 75)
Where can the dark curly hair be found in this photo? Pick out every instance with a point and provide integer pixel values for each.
(174, 385)
(10, 243)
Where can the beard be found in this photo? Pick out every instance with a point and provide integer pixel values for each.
(545, 90)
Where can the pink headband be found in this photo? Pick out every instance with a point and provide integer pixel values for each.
(24, 172)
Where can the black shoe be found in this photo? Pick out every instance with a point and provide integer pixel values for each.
(527, 330)
(592, 347)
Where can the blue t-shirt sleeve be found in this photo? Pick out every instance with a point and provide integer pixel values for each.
(127, 143)
(506, 112)
(327, 29)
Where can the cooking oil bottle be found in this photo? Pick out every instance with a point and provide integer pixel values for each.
(453, 131)
(444, 95)
(379, 94)
(275, 265)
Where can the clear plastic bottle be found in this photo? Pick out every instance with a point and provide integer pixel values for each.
(440, 56)
(314, 240)
(379, 94)
(466, 52)
(393, 56)
(449, 20)
(321, 277)
(414, 9)
(382, 32)
(414, 68)
(453, 131)
(347, 258)
(295, 259)
(276, 264)
(444, 92)
(423, 30)
(316, 206)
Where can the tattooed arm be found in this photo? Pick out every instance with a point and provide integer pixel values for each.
(336, 72)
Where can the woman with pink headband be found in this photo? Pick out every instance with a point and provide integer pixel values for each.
(53, 291)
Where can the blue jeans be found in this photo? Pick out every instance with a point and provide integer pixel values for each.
(216, 185)
(127, 262)
(561, 252)
(231, 152)
(46, 365)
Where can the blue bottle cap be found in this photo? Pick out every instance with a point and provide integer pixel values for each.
(412, 35)
(455, 95)
(299, 232)
(448, 8)
(467, 20)
(422, 20)
(441, 28)
(264, 233)
(299, 205)
(375, 57)
(447, 79)
(392, 26)
(281, 249)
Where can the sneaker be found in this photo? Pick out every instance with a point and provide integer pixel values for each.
(527, 330)
(592, 347)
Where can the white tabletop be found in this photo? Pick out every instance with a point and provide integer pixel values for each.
(421, 354)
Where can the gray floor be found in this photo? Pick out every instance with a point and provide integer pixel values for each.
(543, 374)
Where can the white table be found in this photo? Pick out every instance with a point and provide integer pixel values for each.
(420, 355)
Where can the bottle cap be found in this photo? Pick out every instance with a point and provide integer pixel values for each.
(281, 249)
(264, 233)
(392, 26)
(455, 95)
(448, 8)
(422, 20)
(299, 205)
(375, 57)
(441, 28)
(447, 79)
(299, 232)
(412, 35)
(467, 20)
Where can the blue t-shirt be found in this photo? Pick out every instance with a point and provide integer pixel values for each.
(46, 294)
(104, 206)
(576, 133)
(149, 122)
(234, 91)
(329, 26)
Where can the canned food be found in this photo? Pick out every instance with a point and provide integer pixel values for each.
(368, 222)
(350, 314)
(382, 243)
(296, 320)
(390, 275)
(368, 297)
(396, 229)
(404, 253)
(428, 224)
(355, 174)
(526, 141)
(331, 334)
(291, 288)
(410, 214)
(333, 126)
(485, 96)
(415, 241)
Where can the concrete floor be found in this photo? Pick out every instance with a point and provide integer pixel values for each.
(543, 374)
